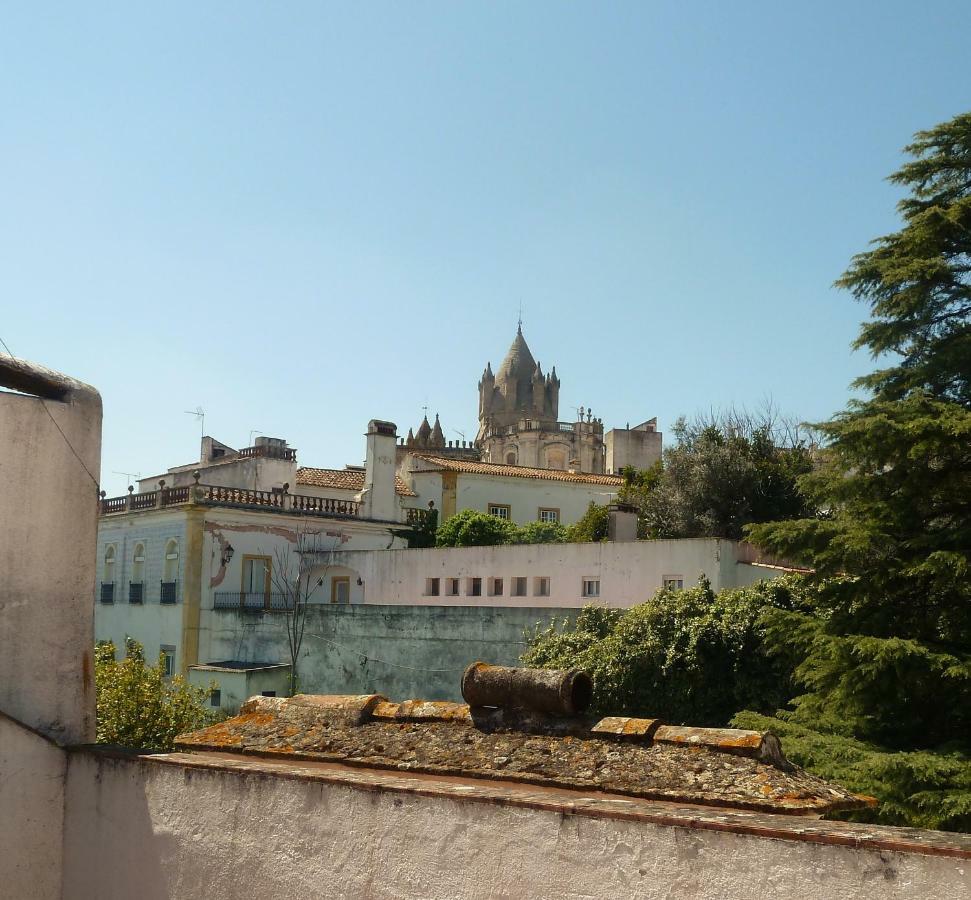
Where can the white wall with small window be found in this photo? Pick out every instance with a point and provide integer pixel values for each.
(615, 574)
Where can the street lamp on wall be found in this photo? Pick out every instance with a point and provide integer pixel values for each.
(227, 556)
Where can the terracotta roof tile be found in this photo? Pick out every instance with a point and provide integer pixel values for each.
(484, 468)
(344, 480)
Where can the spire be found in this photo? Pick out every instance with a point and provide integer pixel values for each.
(424, 432)
(438, 436)
(410, 440)
(519, 362)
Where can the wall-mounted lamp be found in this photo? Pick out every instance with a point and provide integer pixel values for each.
(227, 556)
(359, 581)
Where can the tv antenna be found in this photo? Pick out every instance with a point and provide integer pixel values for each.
(128, 475)
(252, 432)
(461, 434)
(200, 414)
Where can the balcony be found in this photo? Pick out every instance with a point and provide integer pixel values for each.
(251, 601)
(268, 452)
(214, 495)
(168, 592)
(136, 592)
(107, 592)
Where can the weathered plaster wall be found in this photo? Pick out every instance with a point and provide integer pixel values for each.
(164, 831)
(629, 572)
(48, 527)
(32, 776)
(399, 651)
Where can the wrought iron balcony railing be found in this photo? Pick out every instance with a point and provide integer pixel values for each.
(251, 600)
(168, 592)
(107, 592)
(136, 591)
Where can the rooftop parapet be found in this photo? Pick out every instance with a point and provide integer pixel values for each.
(513, 742)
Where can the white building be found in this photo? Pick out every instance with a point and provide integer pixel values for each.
(616, 574)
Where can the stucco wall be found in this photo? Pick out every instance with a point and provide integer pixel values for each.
(32, 775)
(165, 831)
(629, 572)
(48, 525)
(399, 651)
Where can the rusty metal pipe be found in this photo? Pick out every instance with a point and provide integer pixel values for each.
(541, 690)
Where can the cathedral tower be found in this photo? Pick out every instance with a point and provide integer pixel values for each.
(518, 418)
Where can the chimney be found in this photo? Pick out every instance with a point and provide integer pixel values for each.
(621, 522)
(378, 499)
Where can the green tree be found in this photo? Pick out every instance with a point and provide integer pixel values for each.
(470, 528)
(886, 648)
(137, 706)
(540, 533)
(593, 526)
(722, 473)
(684, 656)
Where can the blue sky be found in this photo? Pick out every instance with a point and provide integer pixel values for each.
(302, 216)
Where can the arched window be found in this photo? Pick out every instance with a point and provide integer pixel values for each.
(511, 458)
(170, 572)
(136, 587)
(109, 569)
(108, 575)
(170, 568)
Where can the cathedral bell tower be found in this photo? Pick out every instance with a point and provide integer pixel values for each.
(518, 412)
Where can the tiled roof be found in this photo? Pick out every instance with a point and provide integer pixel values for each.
(632, 757)
(484, 468)
(345, 480)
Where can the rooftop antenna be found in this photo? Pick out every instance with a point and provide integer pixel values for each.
(252, 432)
(128, 475)
(461, 434)
(200, 414)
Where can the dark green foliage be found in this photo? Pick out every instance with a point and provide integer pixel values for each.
(476, 529)
(540, 533)
(137, 706)
(422, 533)
(592, 527)
(723, 473)
(920, 789)
(887, 646)
(684, 656)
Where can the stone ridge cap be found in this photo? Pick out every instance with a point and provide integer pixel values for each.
(589, 804)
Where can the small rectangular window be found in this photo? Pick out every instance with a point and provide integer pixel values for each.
(495, 587)
(216, 698)
(549, 515)
(107, 592)
(673, 582)
(500, 510)
(541, 587)
(340, 589)
(474, 587)
(519, 587)
(591, 587)
(268, 693)
(168, 660)
(452, 587)
(431, 587)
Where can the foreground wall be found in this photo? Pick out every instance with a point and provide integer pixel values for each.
(399, 651)
(253, 828)
(32, 773)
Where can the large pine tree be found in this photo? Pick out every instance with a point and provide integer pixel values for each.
(886, 648)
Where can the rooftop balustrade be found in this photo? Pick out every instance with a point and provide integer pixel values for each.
(215, 495)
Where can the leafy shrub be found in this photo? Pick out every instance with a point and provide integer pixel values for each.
(137, 706)
(470, 528)
(540, 533)
(593, 526)
(685, 656)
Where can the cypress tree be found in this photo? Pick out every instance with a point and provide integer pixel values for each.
(885, 645)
